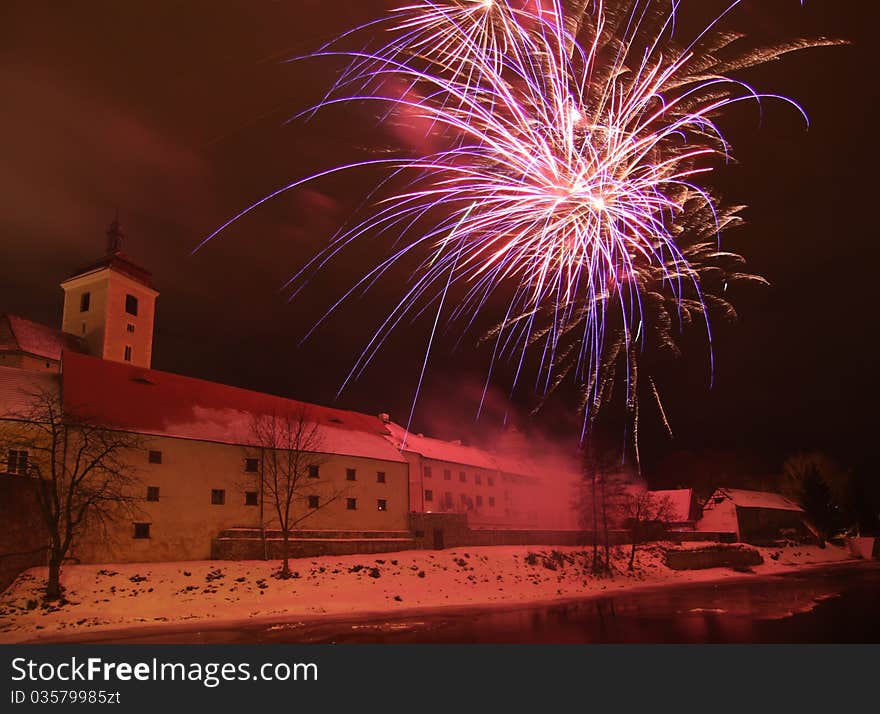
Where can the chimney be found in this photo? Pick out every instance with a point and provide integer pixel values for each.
(384, 417)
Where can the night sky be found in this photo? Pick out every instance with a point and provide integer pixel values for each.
(174, 113)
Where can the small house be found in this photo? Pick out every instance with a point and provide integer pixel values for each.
(754, 516)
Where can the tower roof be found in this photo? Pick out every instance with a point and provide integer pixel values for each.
(116, 260)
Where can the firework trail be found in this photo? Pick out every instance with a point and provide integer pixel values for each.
(564, 179)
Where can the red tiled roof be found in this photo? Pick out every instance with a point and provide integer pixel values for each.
(17, 387)
(20, 335)
(148, 401)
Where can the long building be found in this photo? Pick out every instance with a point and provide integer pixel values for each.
(201, 458)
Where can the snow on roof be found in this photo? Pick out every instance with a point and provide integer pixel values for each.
(457, 453)
(439, 450)
(17, 384)
(148, 401)
(679, 502)
(20, 335)
(759, 499)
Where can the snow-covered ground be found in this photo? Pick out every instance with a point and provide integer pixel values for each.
(107, 597)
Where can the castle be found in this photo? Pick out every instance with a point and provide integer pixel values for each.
(199, 468)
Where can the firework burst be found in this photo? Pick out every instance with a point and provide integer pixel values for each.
(568, 151)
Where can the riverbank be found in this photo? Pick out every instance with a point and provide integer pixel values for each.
(155, 595)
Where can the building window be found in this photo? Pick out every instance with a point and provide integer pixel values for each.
(218, 496)
(250, 498)
(380, 477)
(429, 495)
(313, 501)
(129, 327)
(152, 493)
(447, 475)
(141, 530)
(131, 304)
(351, 504)
(350, 475)
(127, 354)
(84, 328)
(155, 457)
(491, 500)
(478, 479)
(490, 480)
(85, 301)
(462, 477)
(464, 499)
(251, 465)
(381, 504)
(17, 462)
(427, 472)
(479, 501)
(447, 499)
(314, 471)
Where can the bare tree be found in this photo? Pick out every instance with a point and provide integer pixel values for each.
(639, 509)
(604, 480)
(291, 453)
(85, 472)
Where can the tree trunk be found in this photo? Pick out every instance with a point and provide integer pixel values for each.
(632, 553)
(53, 585)
(605, 530)
(595, 527)
(285, 552)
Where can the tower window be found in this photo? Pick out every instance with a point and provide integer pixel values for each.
(131, 304)
(141, 530)
(85, 301)
(381, 504)
(127, 354)
(152, 493)
(218, 496)
(351, 504)
(129, 327)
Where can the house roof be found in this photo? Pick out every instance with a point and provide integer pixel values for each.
(20, 335)
(16, 386)
(151, 402)
(679, 502)
(438, 449)
(759, 499)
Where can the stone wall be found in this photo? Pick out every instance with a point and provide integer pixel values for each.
(249, 544)
(712, 556)
(22, 533)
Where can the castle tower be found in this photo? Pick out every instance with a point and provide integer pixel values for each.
(111, 305)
